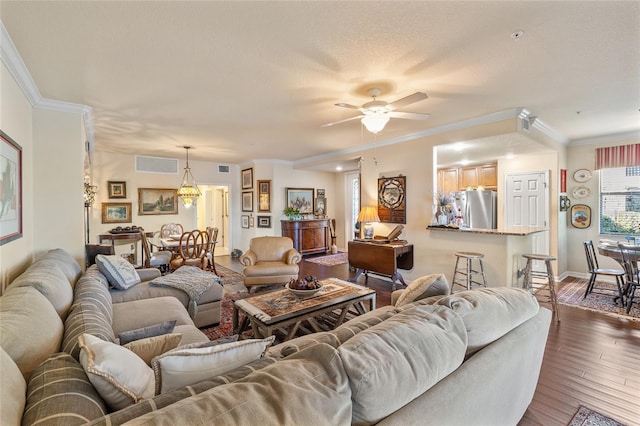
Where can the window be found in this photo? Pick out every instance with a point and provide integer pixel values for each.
(620, 200)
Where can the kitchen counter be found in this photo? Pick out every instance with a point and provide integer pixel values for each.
(517, 231)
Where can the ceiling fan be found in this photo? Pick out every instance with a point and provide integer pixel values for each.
(376, 114)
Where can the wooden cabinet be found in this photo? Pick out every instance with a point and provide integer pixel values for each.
(448, 180)
(309, 236)
(459, 179)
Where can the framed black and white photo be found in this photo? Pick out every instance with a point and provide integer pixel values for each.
(247, 178)
(245, 221)
(264, 221)
(247, 201)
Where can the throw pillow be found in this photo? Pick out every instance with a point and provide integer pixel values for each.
(151, 347)
(220, 341)
(120, 376)
(150, 331)
(182, 367)
(429, 285)
(119, 272)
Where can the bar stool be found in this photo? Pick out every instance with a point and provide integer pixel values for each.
(468, 272)
(529, 274)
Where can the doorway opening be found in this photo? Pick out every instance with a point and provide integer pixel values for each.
(213, 211)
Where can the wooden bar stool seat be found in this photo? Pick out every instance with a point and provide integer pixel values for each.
(464, 276)
(547, 275)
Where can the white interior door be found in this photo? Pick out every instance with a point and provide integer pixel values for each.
(527, 205)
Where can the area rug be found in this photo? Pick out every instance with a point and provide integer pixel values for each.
(572, 294)
(587, 417)
(232, 281)
(330, 259)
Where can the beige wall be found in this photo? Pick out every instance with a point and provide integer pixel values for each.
(52, 169)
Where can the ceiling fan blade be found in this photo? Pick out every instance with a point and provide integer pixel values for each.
(342, 104)
(418, 96)
(342, 121)
(409, 115)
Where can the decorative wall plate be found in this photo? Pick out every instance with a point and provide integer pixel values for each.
(581, 175)
(581, 216)
(581, 192)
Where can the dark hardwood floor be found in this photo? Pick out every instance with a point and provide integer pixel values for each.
(591, 358)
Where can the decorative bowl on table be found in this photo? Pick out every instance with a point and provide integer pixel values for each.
(304, 288)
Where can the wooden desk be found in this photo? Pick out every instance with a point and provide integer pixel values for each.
(383, 259)
(123, 239)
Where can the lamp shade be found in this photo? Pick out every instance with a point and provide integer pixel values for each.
(368, 214)
(375, 122)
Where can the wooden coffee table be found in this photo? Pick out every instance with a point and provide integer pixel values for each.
(279, 309)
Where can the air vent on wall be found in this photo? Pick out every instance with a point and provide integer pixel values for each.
(156, 165)
(223, 168)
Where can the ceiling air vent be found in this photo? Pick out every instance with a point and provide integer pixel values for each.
(156, 165)
(223, 168)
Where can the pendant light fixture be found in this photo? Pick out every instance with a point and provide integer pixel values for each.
(188, 191)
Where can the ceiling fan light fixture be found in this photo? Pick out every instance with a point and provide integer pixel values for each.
(375, 122)
(188, 191)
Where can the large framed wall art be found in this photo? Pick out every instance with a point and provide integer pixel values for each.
(10, 189)
(157, 201)
(392, 193)
(301, 199)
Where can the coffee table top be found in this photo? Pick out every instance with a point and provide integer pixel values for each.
(282, 304)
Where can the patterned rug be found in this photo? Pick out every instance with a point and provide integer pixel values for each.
(572, 294)
(330, 259)
(587, 417)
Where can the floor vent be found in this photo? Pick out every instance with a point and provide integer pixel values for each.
(156, 165)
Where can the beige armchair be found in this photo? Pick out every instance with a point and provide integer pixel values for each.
(270, 260)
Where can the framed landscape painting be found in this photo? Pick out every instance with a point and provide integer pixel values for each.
(117, 189)
(116, 212)
(10, 189)
(153, 201)
(301, 199)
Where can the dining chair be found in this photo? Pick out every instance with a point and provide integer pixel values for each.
(595, 271)
(192, 250)
(213, 240)
(156, 259)
(630, 255)
(169, 229)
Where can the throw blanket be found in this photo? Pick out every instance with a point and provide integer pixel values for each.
(193, 281)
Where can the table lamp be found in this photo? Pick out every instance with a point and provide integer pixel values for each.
(368, 215)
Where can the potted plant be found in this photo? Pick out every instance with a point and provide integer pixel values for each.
(292, 213)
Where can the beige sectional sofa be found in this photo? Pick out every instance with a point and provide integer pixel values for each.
(472, 358)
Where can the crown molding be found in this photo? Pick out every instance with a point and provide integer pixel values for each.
(13, 62)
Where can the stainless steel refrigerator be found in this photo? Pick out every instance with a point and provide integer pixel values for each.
(478, 208)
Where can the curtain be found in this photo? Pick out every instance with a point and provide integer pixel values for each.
(618, 156)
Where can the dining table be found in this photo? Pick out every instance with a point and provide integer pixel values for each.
(609, 248)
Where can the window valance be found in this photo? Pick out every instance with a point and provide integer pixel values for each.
(618, 156)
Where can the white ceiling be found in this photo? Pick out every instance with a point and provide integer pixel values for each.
(256, 80)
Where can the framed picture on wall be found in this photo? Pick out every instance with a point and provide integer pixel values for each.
(247, 178)
(247, 201)
(264, 221)
(11, 189)
(116, 212)
(117, 189)
(301, 199)
(264, 196)
(245, 221)
(320, 206)
(153, 201)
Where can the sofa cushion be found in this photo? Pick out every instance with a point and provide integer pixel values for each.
(308, 388)
(12, 391)
(429, 285)
(30, 329)
(119, 272)
(148, 312)
(120, 376)
(490, 313)
(46, 276)
(60, 392)
(144, 332)
(393, 362)
(181, 367)
(151, 347)
(67, 264)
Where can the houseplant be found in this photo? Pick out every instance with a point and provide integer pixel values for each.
(292, 213)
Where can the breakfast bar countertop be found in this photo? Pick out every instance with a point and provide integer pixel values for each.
(516, 230)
